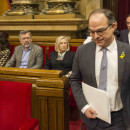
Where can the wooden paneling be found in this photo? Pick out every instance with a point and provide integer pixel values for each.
(112, 5)
(45, 41)
(49, 95)
(50, 28)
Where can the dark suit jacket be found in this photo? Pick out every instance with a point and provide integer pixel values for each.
(35, 60)
(65, 65)
(84, 70)
(124, 36)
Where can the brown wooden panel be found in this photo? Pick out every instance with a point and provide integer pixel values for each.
(18, 78)
(49, 95)
(60, 115)
(43, 112)
(50, 92)
(52, 107)
(46, 42)
(34, 111)
(112, 5)
(53, 83)
(31, 72)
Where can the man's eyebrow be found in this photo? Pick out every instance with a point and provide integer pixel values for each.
(97, 29)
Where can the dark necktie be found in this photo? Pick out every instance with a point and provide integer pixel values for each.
(103, 70)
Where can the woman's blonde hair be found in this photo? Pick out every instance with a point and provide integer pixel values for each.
(58, 41)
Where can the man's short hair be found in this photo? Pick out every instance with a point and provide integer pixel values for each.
(24, 32)
(108, 13)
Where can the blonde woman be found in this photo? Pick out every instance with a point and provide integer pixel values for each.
(62, 57)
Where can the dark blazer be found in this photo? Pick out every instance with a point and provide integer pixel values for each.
(65, 65)
(84, 70)
(124, 36)
(35, 60)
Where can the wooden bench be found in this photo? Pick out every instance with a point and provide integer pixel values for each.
(49, 95)
(47, 45)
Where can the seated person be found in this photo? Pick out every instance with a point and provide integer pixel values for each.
(61, 58)
(27, 55)
(125, 34)
(4, 49)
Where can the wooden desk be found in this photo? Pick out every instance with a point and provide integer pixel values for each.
(49, 95)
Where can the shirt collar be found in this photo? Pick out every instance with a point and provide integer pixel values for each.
(28, 48)
(110, 47)
(61, 54)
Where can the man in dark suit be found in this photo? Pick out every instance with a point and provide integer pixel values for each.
(125, 34)
(87, 68)
(26, 55)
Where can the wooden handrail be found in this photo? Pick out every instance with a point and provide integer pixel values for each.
(31, 72)
(49, 94)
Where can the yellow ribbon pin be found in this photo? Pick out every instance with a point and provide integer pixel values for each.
(122, 55)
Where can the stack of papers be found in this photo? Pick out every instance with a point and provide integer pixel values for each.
(99, 101)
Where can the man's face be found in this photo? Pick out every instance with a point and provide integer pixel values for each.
(101, 32)
(26, 40)
(128, 23)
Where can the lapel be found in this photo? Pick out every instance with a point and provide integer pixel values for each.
(121, 50)
(31, 55)
(19, 54)
(92, 51)
(127, 39)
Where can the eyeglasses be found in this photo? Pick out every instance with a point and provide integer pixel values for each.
(100, 31)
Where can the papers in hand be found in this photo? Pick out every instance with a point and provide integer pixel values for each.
(99, 101)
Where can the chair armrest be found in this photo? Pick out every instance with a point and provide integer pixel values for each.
(32, 124)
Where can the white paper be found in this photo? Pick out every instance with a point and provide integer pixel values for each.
(99, 101)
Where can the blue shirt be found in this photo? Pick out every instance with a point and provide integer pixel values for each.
(25, 57)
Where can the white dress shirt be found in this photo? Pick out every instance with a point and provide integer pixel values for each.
(89, 39)
(112, 75)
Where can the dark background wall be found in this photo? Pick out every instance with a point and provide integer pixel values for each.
(121, 9)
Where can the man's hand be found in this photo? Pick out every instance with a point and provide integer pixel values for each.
(90, 113)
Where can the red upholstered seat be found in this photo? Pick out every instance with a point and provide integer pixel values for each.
(72, 101)
(73, 48)
(15, 106)
(51, 48)
(44, 53)
(12, 49)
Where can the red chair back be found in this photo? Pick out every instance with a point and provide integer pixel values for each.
(12, 49)
(44, 55)
(51, 48)
(73, 48)
(15, 104)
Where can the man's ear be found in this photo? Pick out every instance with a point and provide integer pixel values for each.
(113, 27)
(31, 39)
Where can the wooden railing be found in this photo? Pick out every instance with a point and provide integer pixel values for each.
(49, 95)
(46, 42)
